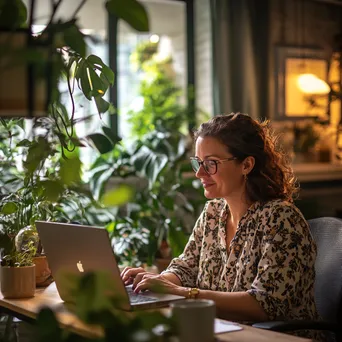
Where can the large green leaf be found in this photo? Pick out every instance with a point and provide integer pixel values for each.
(99, 180)
(149, 163)
(105, 70)
(114, 138)
(70, 171)
(107, 73)
(101, 105)
(52, 190)
(130, 11)
(92, 297)
(37, 153)
(9, 208)
(97, 86)
(101, 142)
(84, 81)
(74, 38)
(156, 165)
(24, 143)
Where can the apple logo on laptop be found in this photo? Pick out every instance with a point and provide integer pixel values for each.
(80, 266)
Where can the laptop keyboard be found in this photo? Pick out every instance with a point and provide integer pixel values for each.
(135, 298)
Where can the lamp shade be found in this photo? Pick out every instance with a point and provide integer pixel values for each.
(313, 85)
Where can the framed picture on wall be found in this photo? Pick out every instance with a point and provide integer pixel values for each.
(299, 73)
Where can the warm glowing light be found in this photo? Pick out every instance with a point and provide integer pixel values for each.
(154, 38)
(311, 84)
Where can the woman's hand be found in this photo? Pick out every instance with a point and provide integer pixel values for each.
(129, 274)
(157, 283)
(142, 280)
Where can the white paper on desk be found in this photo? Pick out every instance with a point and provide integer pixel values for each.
(222, 326)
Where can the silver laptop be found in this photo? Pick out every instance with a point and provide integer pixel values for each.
(76, 249)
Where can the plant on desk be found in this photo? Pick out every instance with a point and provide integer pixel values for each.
(93, 305)
(17, 271)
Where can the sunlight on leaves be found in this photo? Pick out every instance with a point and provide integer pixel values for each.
(70, 171)
(52, 190)
(117, 196)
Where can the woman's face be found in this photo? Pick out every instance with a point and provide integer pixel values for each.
(228, 181)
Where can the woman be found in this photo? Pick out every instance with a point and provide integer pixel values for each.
(251, 250)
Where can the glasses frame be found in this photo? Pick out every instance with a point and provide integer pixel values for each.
(216, 161)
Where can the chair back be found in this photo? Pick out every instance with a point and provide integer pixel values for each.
(327, 233)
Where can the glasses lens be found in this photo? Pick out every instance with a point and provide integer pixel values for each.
(195, 164)
(209, 166)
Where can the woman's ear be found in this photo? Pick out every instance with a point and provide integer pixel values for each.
(248, 164)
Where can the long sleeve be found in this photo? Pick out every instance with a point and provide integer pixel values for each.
(286, 267)
(186, 266)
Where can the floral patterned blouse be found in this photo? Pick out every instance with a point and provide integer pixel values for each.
(271, 257)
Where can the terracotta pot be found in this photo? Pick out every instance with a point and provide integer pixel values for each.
(43, 272)
(18, 282)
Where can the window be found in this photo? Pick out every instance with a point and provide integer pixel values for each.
(168, 36)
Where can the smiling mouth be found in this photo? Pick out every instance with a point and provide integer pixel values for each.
(207, 185)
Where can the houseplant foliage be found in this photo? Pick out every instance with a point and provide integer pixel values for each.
(51, 167)
(65, 54)
(155, 162)
(162, 109)
(42, 171)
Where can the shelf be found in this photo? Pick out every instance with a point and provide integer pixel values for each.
(329, 2)
(312, 172)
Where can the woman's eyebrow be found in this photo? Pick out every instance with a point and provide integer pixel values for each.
(212, 155)
(209, 156)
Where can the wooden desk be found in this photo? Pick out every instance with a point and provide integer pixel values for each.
(48, 297)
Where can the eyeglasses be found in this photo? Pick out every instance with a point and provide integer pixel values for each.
(209, 165)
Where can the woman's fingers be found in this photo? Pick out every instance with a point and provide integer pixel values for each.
(149, 281)
(137, 279)
(143, 285)
(140, 277)
(130, 273)
(124, 271)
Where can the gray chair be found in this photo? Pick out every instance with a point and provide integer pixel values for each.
(327, 233)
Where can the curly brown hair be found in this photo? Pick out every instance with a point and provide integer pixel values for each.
(272, 176)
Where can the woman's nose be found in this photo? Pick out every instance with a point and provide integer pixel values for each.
(200, 172)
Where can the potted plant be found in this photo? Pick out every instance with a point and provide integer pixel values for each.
(17, 271)
(18, 237)
(305, 140)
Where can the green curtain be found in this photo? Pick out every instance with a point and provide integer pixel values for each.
(240, 41)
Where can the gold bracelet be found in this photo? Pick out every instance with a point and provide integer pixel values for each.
(193, 292)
